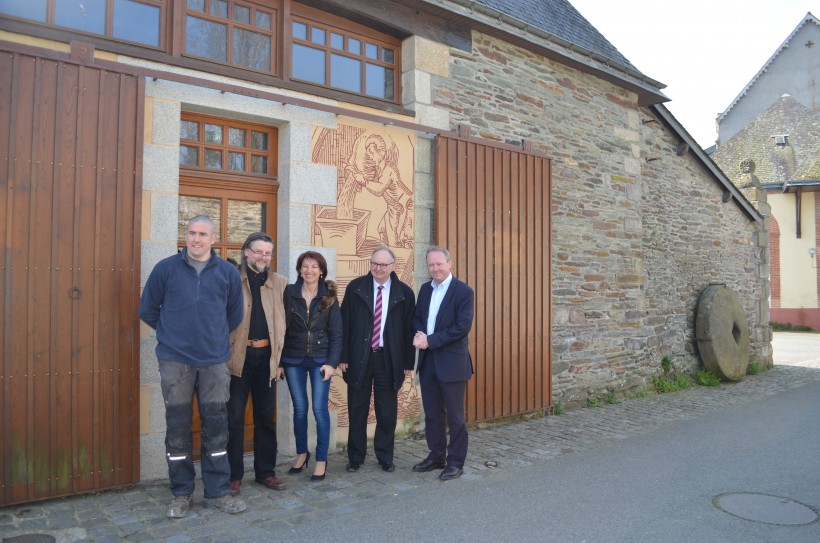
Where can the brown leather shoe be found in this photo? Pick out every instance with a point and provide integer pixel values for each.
(235, 487)
(272, 482)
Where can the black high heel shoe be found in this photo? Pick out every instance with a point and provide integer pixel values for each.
(294, 471)
(317, 478)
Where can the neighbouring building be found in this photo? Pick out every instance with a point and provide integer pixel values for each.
(769, 144)
(579, 209)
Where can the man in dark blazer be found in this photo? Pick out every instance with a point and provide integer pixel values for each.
(443, 318)
(377, 355)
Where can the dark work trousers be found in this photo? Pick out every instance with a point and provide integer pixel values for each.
(179, 383)
(385, 397)
(255, 381)
(444, 408)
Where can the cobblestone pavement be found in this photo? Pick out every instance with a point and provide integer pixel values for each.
(138, 512)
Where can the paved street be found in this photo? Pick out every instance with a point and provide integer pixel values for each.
(646, 469)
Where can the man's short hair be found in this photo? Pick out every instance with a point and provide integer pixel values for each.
(384, 248)
(202, 218)
(438, 249)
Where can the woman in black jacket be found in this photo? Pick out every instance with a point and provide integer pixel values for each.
(313, 347)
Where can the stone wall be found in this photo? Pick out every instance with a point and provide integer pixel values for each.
(638, 231)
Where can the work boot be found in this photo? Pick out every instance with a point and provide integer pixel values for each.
(179, 507)
(226, 503)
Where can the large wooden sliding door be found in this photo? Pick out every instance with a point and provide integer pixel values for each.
(493, 213)
(70, 215)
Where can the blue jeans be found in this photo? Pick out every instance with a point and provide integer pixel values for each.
(179, 382)
(296, 377)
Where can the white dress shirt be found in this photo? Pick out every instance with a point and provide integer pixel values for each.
(435, 302)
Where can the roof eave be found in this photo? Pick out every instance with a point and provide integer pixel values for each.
(700, 155)
(557, 48)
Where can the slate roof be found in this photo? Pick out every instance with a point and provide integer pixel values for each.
(560, 18)
(809, 18)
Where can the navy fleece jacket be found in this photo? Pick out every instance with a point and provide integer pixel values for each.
(193, 314)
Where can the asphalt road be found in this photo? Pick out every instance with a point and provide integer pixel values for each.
(657, 487)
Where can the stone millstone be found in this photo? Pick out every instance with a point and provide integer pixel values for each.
(722, 333)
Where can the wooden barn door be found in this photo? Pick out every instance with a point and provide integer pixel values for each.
(493, 213)
(69, 288)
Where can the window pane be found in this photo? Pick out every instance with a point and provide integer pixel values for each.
(213, 159)
(219, 8)
(31, 9)
(354, 46)
(88, 15)
(251, 49)
(300, 31)
(371, 51)
(259, 141)
(337, 41)
(242, 14)
(263, 20)
(236, 162)
(189, 130)
(308, 64)
(388, 56)
(196, 5)
(206, 39)
(345, 73)
(188, 156)
(244, 218)
(213, 133)
(317, 35)
(191, 206)
(379, 82)
(136, 22)
(236, 137)
(259, 164)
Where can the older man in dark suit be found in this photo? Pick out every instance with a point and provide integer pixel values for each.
(443, 318)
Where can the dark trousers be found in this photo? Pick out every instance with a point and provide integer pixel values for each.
(255, 380)
(210, 384)
(444, 408)
(385, 399)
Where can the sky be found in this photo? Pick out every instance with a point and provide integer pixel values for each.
(705, 51)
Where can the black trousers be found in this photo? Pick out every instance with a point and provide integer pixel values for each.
(254, 382)
(379, 381)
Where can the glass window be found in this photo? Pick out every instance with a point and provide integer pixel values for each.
(263, 20)
(236, 137)
(230, 146)
(207, 39)
(241, 14)
(251, 49)
(219, 8)
(191, 206)
(213, 133)
(346, 73)
(244, 218)
(88, 15)
(213, 159)
(30, 9)
(308, 64)
(189, 130)
(336, 57)
(188, 156)
(137, 22)
(196, 5)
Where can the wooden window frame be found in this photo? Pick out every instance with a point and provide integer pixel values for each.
(109, 22)
(314, 18)
(275, 33)
(225, 174)
(172, 46)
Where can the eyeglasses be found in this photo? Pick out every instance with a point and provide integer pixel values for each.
(260, 253)
(381, 266)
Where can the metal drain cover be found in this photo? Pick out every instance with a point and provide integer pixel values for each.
(29, 538)
(765, 508)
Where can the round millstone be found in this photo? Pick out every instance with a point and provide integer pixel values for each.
(722, 333)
